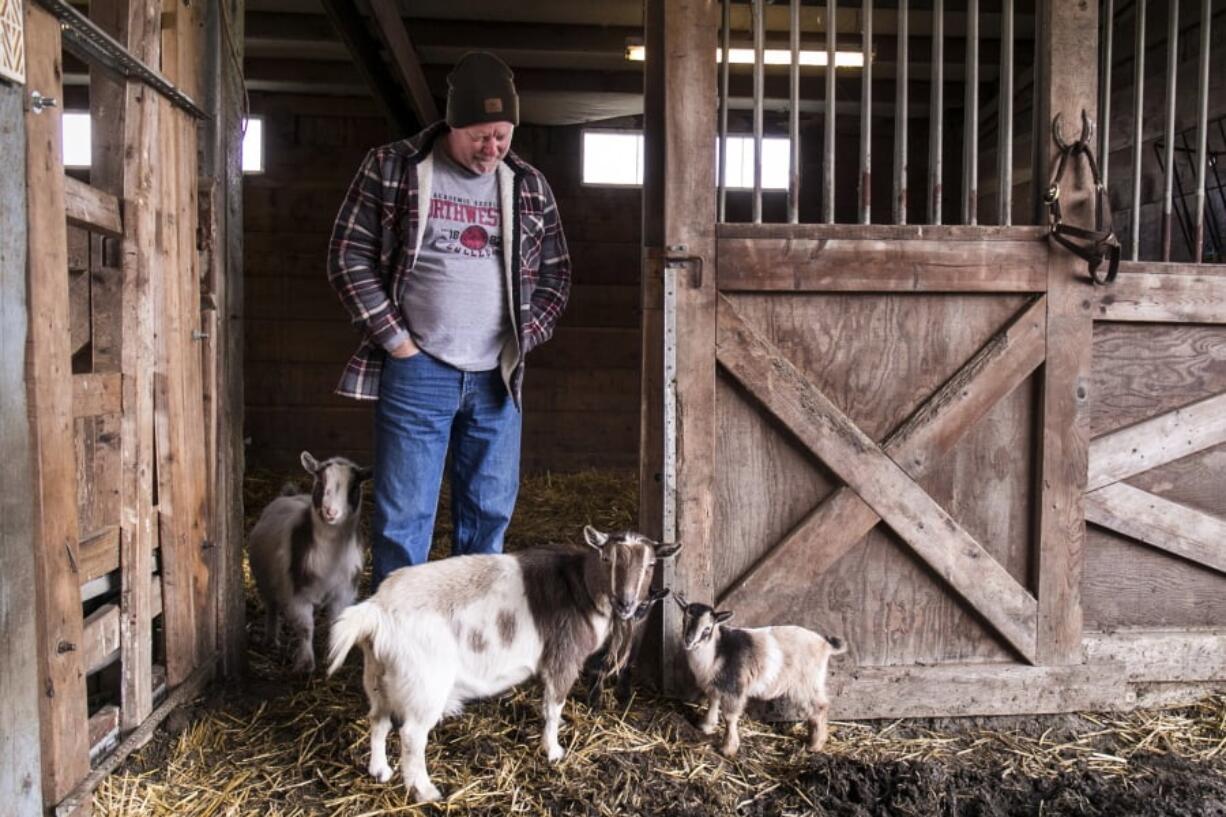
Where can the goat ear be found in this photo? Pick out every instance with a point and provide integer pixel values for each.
(594, 537)
(723, 616)
(665, 551)
(656, 595)
(365, 473)
(680, 599)
(309, 463)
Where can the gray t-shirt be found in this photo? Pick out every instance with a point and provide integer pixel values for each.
(455, 300)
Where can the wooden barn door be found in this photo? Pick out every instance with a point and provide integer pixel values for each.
(881, 432)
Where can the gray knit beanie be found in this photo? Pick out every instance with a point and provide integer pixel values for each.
(481, 89)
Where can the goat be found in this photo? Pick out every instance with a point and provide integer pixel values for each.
(732, 665)
(305, 551)
(441, 633)
(622, 652)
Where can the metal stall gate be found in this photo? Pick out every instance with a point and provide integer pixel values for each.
(887, 431)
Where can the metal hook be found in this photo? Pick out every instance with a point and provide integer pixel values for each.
(1082, 143)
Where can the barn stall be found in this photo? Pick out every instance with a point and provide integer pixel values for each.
(872, 400)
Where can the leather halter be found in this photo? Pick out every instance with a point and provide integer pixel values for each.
(1099, 244)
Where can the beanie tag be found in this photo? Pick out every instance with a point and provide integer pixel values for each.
(493, 105)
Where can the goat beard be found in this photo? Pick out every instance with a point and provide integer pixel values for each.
(621, 639)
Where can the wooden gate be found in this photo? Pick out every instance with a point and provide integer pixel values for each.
(883, 432)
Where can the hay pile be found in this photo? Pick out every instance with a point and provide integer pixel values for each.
(285, 745)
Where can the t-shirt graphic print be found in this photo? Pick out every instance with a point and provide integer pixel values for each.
(455, 300)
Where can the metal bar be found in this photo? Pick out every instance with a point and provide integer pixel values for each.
(1172, 68)
(1005, 116)
(759, 91)
(1182, 196)
(1202, 129)
(85, 40)
(1104, 96)
(1138, 103)
(970, 125)
(794, 116)
(832, 11)
(936, 124)
(866, 114)
(723, 113)
(900, 115)
(669, 470)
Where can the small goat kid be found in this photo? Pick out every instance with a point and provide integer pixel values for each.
(445, 632)
(732, 665)
(305, 552)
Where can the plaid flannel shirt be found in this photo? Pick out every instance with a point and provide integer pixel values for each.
(372, 252)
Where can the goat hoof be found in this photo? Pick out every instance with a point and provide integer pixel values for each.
(708, 729)
(729, 751)
(305, 665)
(816, 747)
(427, 793)
(556, 753)
(381, 773)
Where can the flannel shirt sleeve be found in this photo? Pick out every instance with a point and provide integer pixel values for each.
(354, 258)
(553, 278)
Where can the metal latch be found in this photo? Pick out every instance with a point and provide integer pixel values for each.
(40, 103)
(676, 258)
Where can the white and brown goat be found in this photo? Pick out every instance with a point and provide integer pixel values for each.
(439, 634)
(733, 665)
(305, 552)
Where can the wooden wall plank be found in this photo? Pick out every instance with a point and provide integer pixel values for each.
(20, 751)
(94, 394)
(62, 675)
(1161, 655)
(847, 265)
(1067, 85)
(826, 431)
(843, 519)
(101, 637)
(1163, 298)
(98, 555)
(1154, 442)
(92, 209)
(125, 129)
(1167, 525)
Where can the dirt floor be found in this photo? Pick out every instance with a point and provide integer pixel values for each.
(288, 745)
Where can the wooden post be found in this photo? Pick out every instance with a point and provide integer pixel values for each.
(1067, 85)
(20, 754)
(690, 35)
(125, 128)
(221, 157)
(60, 627)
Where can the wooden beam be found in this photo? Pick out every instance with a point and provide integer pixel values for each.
(1163, 298)
(387, 15)
(1067, 85)
(62, 675)
(98, 554)
(975, 689)
(1195, 535)
(364, 49)
(101, 637)
(95, 394)
(934, 535)
(1154, 442)
(91, 208)
(103, 731)
(842, 519)
(888, 265)
(1161, 655)
(125, 127)
(20, 752)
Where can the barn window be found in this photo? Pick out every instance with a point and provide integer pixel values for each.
(613, 157)
(76, 139)
(253, 144)
(775, 161)
(76, 142)
(616, 158)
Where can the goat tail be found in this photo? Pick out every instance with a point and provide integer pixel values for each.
(837, 645)
(355, 624)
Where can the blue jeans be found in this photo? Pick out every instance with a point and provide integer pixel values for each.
(424, 407)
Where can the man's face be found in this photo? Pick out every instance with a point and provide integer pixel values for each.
(480, 147)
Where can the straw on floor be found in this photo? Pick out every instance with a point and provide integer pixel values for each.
(285, 745)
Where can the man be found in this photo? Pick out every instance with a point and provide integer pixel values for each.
(449, 256)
